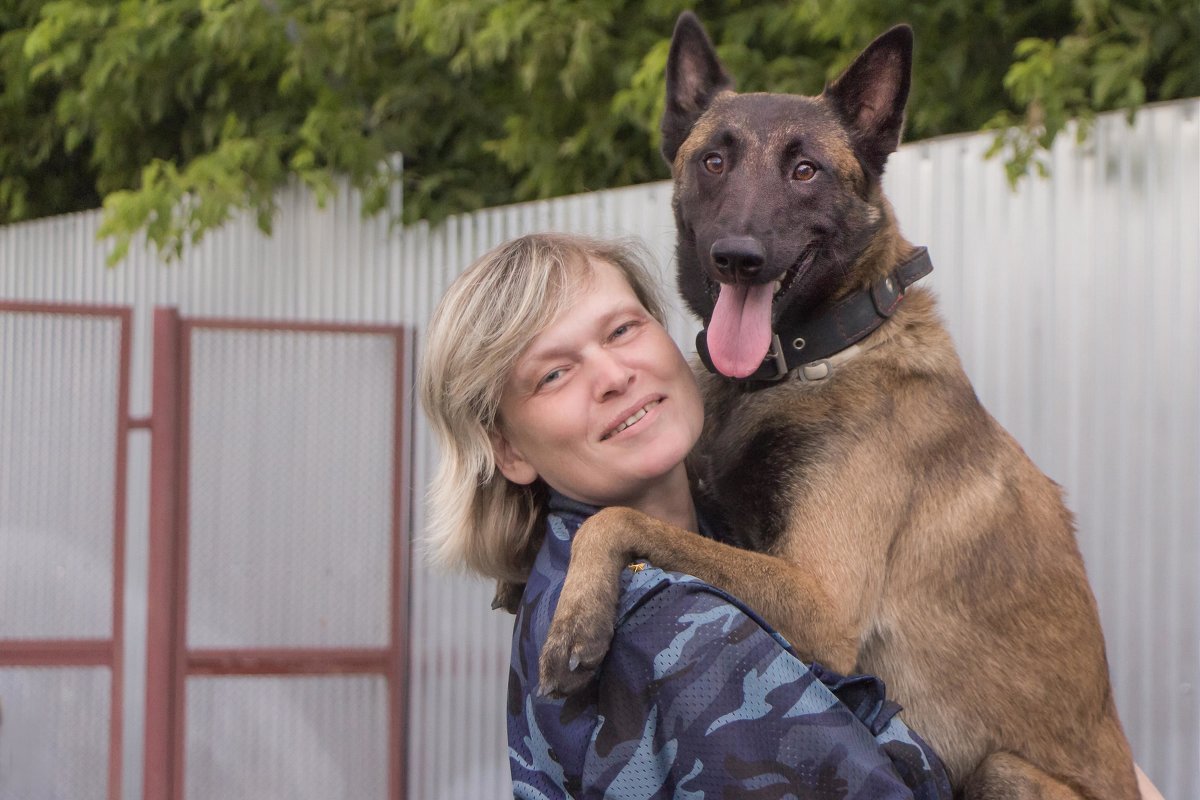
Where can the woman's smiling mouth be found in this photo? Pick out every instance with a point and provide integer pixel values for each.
(632, 419)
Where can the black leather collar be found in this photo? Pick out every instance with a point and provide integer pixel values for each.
(835, 328)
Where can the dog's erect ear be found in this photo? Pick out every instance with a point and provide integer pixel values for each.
(870, 95)
(694, 77)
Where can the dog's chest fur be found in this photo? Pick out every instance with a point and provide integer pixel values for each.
(765, 449)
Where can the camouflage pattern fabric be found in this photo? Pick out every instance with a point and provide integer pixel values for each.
(698, 699)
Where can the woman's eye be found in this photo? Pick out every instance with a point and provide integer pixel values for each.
(550, 377)
(804, 171)
(714, 163)
(622, 330)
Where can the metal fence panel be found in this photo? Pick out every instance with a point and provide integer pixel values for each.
(290, 495)
(64, 378)
(285, 589)
(58, 412)
(1073, 302)
(307, 738)
(55, 744)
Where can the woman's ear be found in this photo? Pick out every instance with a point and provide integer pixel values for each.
(510, 461)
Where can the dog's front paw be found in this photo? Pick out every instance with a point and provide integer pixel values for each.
(576, 645)
(568, 663)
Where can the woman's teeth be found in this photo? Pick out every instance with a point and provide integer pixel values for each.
(637, 415)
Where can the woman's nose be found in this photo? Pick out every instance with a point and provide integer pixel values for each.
(613, 375)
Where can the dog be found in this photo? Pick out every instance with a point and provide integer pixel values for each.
(886, 522)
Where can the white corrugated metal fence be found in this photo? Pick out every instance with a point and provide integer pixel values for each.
(1075, 303)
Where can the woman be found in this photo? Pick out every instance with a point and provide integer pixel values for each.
(554, 390)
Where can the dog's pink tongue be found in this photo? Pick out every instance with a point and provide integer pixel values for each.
(739, 333)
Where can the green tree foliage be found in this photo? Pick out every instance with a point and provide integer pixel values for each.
(1120, 55)
(177, 113)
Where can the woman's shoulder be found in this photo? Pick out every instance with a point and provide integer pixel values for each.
(685, 594)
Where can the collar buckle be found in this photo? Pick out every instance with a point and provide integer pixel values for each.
(775, 358)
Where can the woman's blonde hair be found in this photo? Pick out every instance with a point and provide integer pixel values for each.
(479, 519)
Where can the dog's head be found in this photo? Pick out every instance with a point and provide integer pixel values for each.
(777, 197)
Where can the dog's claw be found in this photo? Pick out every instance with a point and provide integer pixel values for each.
(559, 685)
(572, 653)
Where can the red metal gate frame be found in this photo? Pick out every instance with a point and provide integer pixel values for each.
(93, 652)
(169, 661)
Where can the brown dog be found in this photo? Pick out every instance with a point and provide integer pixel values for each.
(890, 525)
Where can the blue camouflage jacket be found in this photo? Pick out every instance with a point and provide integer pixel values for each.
(698, 699)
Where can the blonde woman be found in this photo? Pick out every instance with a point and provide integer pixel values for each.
(554, 390)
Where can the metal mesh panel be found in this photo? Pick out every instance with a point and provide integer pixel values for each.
(58, 417)
(297, 738)
(54, 734)
(290, 488)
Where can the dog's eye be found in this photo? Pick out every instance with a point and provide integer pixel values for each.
(714, 163)
(804, 171)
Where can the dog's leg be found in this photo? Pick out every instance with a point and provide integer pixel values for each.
(1005, 776)
(787, 597)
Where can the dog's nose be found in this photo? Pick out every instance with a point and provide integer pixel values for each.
(738, 256)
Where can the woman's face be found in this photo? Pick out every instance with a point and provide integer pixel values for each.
(601, 405)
